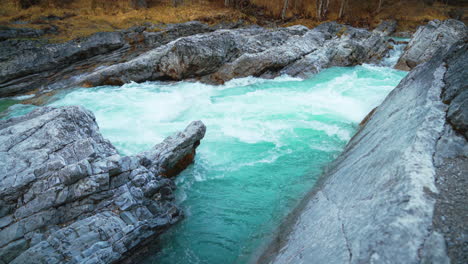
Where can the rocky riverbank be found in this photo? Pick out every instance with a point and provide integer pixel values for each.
(67, 196)
(397, 194)
(185, 51)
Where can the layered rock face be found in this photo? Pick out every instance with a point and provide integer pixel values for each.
(429, 39)
(398, 192)
(225, 54)
(185, 51)
(27, 65)
(67, 196)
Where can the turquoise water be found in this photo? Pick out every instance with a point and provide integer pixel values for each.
(266, 144)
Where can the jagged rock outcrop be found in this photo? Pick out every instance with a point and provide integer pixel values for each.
(386, 27)
(397, 194)
(11, 32)
(67, 196)
(27, 65)
(185, 51)
(428, 39)
(354, 47)
(225, 54)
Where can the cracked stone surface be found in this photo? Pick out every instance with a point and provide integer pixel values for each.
(398, 192)
(27, 65)
(67, 196)
(219, 56)
(429, 39)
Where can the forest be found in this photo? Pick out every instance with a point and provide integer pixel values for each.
(319, 9)
(85, 17)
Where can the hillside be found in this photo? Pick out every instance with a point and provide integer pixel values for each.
(69, 19)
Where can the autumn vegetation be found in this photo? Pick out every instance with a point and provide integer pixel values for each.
(84, 17)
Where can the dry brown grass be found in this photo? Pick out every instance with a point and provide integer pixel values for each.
(86, 17)
(84, 20)
(409, 14)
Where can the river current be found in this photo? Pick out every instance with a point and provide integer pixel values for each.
(267, 142)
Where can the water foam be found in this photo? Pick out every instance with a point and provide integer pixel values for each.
(266, 143)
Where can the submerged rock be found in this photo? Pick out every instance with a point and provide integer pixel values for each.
(67, 196)
(398, 192)
(429, 39)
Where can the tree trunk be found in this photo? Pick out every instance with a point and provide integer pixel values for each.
(325, 11)
(318, 5)
(175, 2)
(285, 8)
(322, 8)
(342, 8)
(379, 8)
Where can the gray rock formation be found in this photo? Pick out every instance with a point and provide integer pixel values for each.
(225, 54)
(27, 65)
(10, 32)
(67, 196)
(429, 39)
(185, 51)
(387, 27)
(398, 192)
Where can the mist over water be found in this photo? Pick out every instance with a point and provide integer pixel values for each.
(267, 142)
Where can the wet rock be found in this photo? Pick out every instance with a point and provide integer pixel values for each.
(27, 65)
(396, 194)
(184, 51)
(349, 47)
(67, 196)
(386, 27)
(403, 34)
(23, 58)
(429, 39)
(219, 56)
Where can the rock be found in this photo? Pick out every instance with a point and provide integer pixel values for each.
(403, 34)
(10, 33)
(386, 27)
(67, 196)
(27, 65)
(429, 39)
(352, 47)
(25, 58)
(397, 194)
(219, 56)
(174, 154)
(184, 51)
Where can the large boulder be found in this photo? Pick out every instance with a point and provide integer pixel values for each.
(398, 192)
(67, 196)
(428, 39)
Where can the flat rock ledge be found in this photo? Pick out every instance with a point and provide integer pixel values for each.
(398, 192)
(67, 196)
